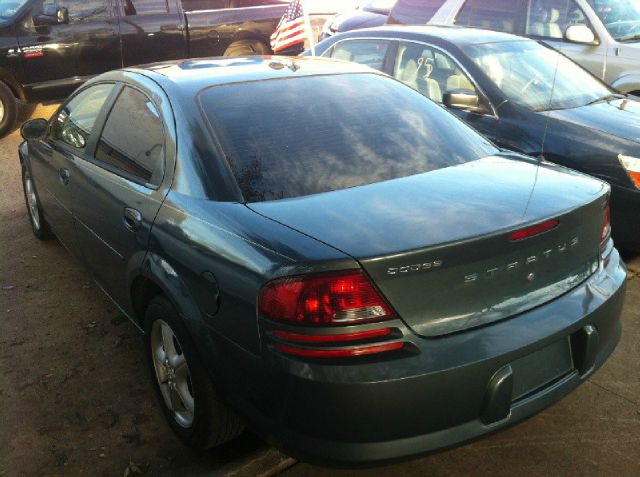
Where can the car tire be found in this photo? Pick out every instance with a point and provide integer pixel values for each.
(8, 109)
(39, 224)
(247, 48)
(183, 386)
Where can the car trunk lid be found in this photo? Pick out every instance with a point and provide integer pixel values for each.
(438, 245)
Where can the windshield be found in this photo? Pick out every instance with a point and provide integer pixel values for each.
(8, 8)
(620, 17)
(307, 135)
(535, 76)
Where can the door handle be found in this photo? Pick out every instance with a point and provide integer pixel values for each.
(64, 176)
(132, 219)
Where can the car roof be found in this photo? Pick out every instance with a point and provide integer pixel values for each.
(456, 35)
(196, 74)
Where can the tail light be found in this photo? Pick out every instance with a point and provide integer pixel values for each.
(605, 234)
(313, 306)
(331, 299)
(536, 229)
(632, 165)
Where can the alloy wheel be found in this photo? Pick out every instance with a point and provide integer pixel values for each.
(32, 200)
(172, 373)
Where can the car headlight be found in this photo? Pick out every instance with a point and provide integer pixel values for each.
(632, 165)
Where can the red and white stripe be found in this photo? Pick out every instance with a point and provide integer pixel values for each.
(289, 34)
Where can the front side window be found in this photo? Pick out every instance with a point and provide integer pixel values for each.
(535, 76)
(74, 123)
(132, 142)
(429, 71)
(144, 7)
(367, 52)
(414, 12)
(80, 11)
(499, 15)
(551, 18)
(352, 130)
(620, 17)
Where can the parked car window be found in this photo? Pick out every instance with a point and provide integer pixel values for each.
(133, 138)
(498, 15)
(366, 52)
(74, 123)
(144, 7)
(550, 18)
(620, 17)
(535, 76)
(80, 11)
(414, 12)
(353, 129)
(428, 71)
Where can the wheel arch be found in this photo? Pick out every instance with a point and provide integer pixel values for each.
(158, 277)
(254, 35)
(627, 84)
(8, 78)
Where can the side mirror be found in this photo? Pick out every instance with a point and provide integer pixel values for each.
(34, 130)
(51, 15)
(463, 99)
(580, 34)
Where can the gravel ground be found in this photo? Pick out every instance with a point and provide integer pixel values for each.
(76, 398)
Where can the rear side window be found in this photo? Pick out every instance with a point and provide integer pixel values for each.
(414, 12)
(500, 15)
(132, 143)
(144, 7)
(367, 52)
(74, 123)
(308, 135)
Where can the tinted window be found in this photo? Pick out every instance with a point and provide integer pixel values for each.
(74, 122)
(366, 52)
(429, 71)
(620, 17)
(414, 12)
(500, 15)
(80, 10)
(133, 141)
(144, 7)
(351, 130)
(551, 18)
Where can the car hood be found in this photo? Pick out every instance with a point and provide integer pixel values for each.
(620, 117)
(360, 19)
(441, 206)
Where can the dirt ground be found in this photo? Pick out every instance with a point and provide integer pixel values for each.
(75, 398)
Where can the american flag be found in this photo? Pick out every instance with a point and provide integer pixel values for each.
(292, 29)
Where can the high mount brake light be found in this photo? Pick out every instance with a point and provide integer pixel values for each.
(533, 230)
(325, 299)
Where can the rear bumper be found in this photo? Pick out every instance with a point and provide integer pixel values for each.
(453, 389)
(625, 217)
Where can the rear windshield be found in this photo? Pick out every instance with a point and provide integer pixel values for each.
(307, 135)
(414, 12)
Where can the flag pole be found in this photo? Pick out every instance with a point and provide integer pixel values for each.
(312, 41)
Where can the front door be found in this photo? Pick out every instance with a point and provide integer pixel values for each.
(548, 20)
(53, 158)
(58, 57)
(118, 191)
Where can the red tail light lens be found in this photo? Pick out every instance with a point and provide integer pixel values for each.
(534, 230)
(339, 353)
(329, 299)
(333, 338)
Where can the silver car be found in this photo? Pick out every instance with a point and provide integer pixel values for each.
(601, 35)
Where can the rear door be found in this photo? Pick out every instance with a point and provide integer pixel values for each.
(151, 30)
(53, 159)
(58, 58)
(119, 189)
